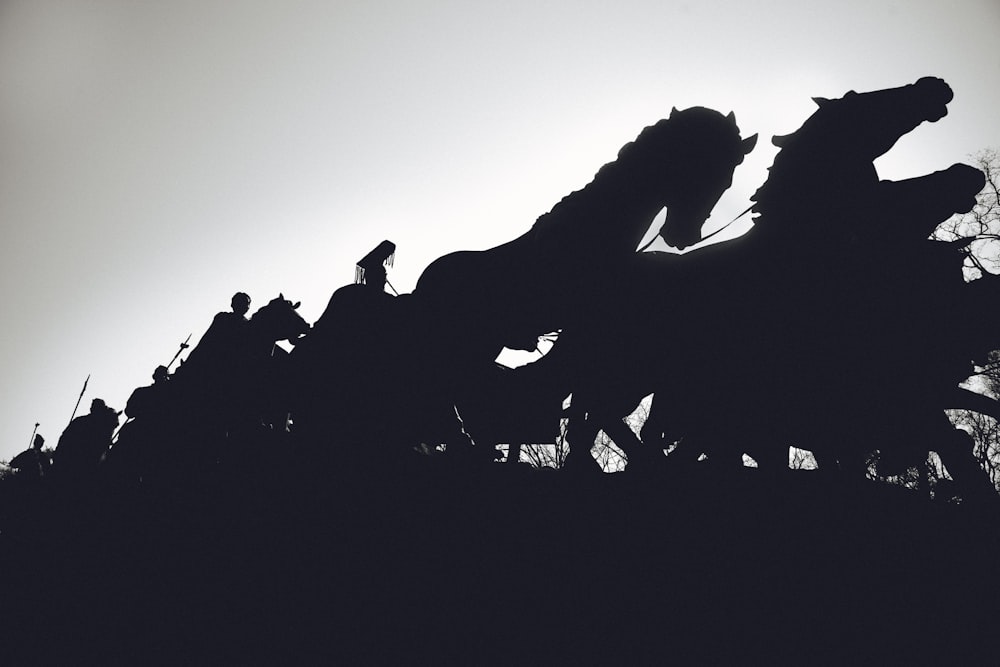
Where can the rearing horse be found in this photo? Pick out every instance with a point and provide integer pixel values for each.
(508, 295)
(236, 383)
(468, 306)
(810, 330)
(475, 303)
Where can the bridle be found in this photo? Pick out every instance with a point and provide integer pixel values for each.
(705, 238)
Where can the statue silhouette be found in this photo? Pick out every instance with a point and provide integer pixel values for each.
(475, 303)
(143, 444)
(231, 392)
(224, 342)
(856, 313)
(32, 463)
(513, 407)
(342, 365)
(84, 442)
(833, 325)
(439, 344)
(511, 294)
(365, 385)
(806, 331)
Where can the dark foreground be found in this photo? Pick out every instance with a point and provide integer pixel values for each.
(430, 565)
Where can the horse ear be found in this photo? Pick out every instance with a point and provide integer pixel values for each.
(749, 143)
(779, 141)
(673, 112)
(731, 117)
(281, 296)
(297, 304)
(820, 101)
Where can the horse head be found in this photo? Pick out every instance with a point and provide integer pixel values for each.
(279, 320)
(686, 162)
(865, 126)
(829, 158)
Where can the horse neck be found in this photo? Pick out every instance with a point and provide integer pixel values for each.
(605, 219)
(261, 339)
(814, 183)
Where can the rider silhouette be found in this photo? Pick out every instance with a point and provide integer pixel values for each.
(85, 440)
(144, 441)
(366, 381)
(225, 340)
(32, 463)
(150, 401)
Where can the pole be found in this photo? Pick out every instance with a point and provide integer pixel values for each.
(79, 398)
(31, 443)
(183, 347)
(703, 238)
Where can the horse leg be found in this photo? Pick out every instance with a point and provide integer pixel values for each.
(514, 453)
(635, 451)
(581, 433)
(956, 452)
(771, 457)
(654, 431)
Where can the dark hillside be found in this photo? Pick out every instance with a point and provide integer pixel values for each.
(501, 566)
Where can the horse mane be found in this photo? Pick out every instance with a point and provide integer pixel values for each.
(269, 307)
(639, 168)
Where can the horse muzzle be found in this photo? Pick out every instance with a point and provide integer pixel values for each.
(681, 231)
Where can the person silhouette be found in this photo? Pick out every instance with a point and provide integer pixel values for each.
(375, 278)
(347, 360)
(143, 439)
(149, 401)
(214, 368)
(212, 379)
(32, 463)
(225, 338)
(403, 376)
(84, 442)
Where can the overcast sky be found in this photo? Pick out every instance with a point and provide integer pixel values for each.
(157, 157)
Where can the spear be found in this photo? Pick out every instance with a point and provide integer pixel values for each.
(79, 398)
(114, 436)
(183, 347)
(31, 443)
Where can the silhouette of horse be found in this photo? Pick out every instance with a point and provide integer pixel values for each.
(342, 369)
(832, 320)
(233, 396)
(475, 303)
(409, 360)
(809, 330)
(509, 295)
(269, 365)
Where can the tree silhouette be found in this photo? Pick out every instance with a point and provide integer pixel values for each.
(980, 227)
(980, 230)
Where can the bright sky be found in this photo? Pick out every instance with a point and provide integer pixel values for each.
(155, 158)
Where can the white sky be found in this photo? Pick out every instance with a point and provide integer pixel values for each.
(157, 157)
